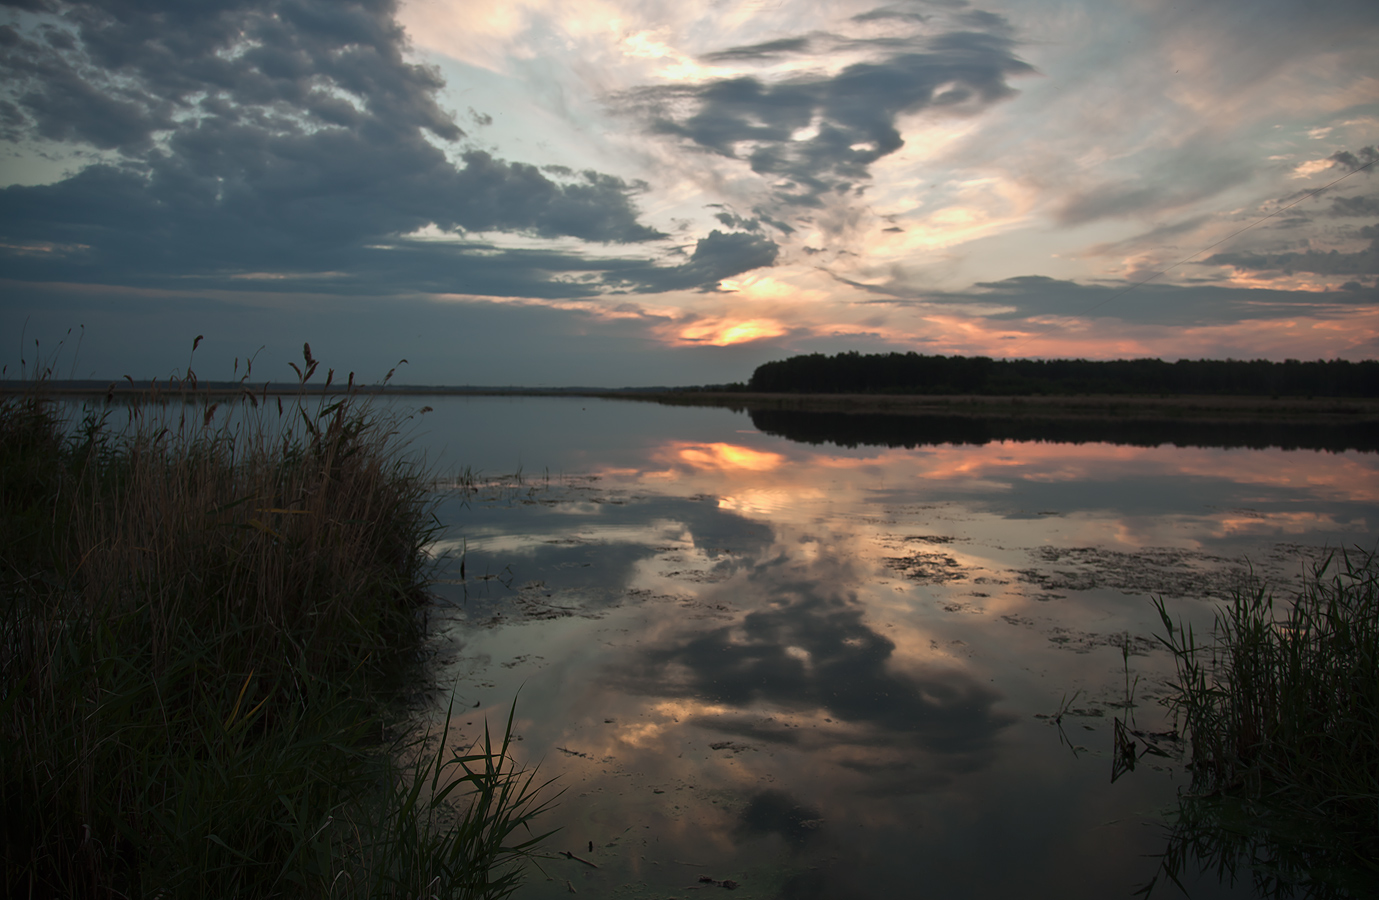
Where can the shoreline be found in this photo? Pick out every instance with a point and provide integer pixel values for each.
(1175, 407)
(1203, 407)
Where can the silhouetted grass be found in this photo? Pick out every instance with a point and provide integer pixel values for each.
(200, 622)
(1283, 714)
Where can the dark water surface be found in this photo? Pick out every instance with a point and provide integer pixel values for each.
(830, 671)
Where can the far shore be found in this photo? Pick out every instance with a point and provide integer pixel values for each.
(1100, 406)
(1127, 406)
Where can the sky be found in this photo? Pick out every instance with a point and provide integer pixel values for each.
(617, 193)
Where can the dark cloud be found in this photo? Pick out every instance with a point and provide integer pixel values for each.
(1355, 206)
(1365, 262)
(890, 13)
(120, 226)
(317, 203)
(289, 137)
(760, 216)
(715, 257)
(852, 113)
(765, 50)
(130, 69)
(732, 220)
(491, 194)
(1027, 282)
(1034, 296)
(1364, 158)
(1293, 221)
(775, 223)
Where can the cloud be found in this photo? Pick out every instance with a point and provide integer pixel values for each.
(1187, 175)
(1152, 239)
(891, 13)
(815, 135)
(1365, 262)
(733, 220)
(1033, 297)
(1364, 158)
(766, 50)
(715, 257)
(492, 194)
(114, 75)
(340, 209)
(1355, 206)
(293, 138)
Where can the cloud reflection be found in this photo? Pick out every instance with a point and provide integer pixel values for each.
(806, 651)
(721, 457)
(989, 465)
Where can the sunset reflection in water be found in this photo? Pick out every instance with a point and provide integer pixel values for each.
(817, 671)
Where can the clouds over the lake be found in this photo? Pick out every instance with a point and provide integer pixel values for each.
(791, 176)
(816, 134)
(287, 140)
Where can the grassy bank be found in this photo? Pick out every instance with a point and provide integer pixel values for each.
(203, 629)
(1282, 710)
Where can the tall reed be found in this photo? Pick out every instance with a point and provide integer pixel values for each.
(200, 621)
(1283, 714)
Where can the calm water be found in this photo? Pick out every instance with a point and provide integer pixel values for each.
(829, 671)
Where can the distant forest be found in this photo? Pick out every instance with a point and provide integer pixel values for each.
(912, 373)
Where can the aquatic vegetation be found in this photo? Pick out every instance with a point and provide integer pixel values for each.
(425, 846)
(1283, 715)
(204, 632)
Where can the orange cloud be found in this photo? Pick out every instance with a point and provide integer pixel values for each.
(722, 332)
(1349, 333)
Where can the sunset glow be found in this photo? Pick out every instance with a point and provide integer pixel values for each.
(721, 333)
(754, 481)
(614, 193)
(803, 636)
(723, 457)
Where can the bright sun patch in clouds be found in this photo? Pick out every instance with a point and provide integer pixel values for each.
(722, 332)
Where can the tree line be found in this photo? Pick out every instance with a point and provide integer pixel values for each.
(913, 373)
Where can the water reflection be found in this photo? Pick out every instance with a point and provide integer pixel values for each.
(821, 672)
(777, 812)
(805, 650)
(1272, 851)
(856, 429)
(723, 457)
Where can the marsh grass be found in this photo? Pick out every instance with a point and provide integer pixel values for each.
(204, 622)
(428, 841)
(1282, 710)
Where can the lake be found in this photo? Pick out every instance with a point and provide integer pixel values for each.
(827, 664)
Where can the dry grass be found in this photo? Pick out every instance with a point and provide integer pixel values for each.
(201, 617)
